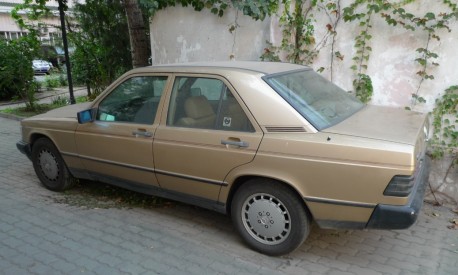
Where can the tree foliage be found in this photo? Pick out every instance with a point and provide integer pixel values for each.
(101, 39)
(16, 73)
(256, 9)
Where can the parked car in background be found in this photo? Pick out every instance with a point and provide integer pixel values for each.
(274, 145)
(41, 66)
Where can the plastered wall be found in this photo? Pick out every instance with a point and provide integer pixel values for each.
(181, 34)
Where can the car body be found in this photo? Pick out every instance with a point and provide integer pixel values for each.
(275, 145)
(41, 66)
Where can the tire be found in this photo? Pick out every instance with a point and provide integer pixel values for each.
(49, 166)
(270, 217)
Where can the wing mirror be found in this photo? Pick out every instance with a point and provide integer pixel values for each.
(86, 116)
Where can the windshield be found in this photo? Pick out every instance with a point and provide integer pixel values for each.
(318, 100)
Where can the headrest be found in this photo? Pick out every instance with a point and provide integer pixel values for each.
(197, 107)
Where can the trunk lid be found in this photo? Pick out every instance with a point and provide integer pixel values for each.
(383, 123)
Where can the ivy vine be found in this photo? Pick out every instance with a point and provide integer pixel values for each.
(297, 20)
(445, 121)
(363, 83)
(429, 23)
(445, 135)
(256, 9)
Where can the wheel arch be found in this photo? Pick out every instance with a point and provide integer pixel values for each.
(36, 136)
(245, 179)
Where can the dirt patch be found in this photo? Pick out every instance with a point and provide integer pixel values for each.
(93, 195)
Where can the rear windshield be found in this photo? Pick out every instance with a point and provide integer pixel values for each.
(318, 100)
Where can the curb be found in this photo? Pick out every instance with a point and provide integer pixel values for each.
(43, 95)
(11, 116)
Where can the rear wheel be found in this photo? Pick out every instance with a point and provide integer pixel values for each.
(49, 166)
(270, 217)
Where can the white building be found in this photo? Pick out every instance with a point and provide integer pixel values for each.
(49, 27)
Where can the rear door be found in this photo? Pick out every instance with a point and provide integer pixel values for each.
(204, 133)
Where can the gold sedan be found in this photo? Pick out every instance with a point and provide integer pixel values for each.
(274, 145)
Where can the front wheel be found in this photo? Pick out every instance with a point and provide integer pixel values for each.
(49, 166)
(270, 217)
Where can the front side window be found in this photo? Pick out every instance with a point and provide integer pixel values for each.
(135, 100)
(318, 100)
(205, 103)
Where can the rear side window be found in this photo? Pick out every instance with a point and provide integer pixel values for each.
(205, 103)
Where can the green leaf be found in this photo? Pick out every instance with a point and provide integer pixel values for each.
(430, 16)
(421, 50)
(421, 61)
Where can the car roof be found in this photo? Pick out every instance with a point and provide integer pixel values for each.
(248, 66)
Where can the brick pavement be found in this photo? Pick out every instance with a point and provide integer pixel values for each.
(40, 236)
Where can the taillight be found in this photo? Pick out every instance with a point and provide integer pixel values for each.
(400, 186)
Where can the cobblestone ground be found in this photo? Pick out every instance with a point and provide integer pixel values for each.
(40, 236)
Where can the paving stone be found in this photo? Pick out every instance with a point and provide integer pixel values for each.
(404, 265)
(40, 236)
(314, 267)
(40, 268)
(130, 268)
(354, 269)
(335, 264)
(225, 268)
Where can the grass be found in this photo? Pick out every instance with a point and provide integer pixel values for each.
(25, 112)
(41, 108)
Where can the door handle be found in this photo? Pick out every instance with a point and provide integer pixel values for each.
(235, 143)
(142, 132)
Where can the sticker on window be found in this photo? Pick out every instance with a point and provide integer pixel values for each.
(227, 121)
(106, 117)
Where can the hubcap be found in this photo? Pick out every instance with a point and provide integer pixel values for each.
(266, 219)
(48, 165)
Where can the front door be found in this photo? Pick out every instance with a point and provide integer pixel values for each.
(205, 134)
(118, 146)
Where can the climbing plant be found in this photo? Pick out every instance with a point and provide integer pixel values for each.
(256, 9)
(298, 44)
(362, 84)
(430, 23)
(445, 121)
(297, 20)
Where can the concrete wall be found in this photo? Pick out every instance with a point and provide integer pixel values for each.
(183, 35)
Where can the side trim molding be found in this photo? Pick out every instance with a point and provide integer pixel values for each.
(339, 202)
(141, 168)
(219, 183)
(152, 170)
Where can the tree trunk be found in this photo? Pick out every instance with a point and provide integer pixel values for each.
(137, 34)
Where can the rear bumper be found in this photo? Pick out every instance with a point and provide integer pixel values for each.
(402, 216)
(24, 148)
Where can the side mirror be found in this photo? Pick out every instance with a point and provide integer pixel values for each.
(86, 116)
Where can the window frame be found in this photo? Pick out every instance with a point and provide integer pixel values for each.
(126, 77)
(168, 99)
